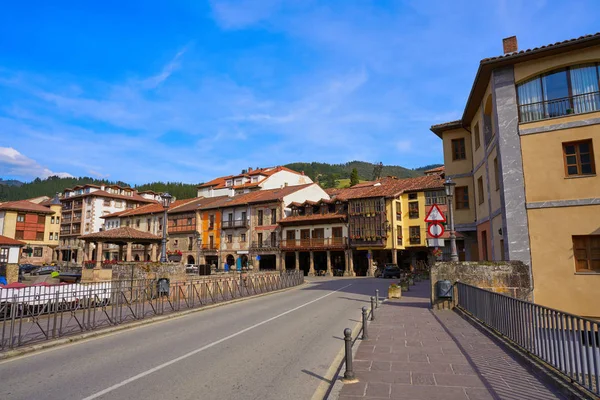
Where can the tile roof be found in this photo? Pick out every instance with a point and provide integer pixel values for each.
(124, 233)
(103, 193)
(341, 215)
(24, 205)
(446, 126)
(433, 170)
(258, 196)
(4, 240)
(153, 208)
(387, 187)
(219, 183)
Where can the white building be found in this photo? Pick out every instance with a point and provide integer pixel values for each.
(9, 250)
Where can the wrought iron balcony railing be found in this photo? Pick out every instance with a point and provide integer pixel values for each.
(227, 224)
(577, 104)
(339, 242)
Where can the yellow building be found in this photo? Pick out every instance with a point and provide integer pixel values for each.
(522, 157)
(37, 225)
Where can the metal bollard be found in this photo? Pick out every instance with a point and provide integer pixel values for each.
(349, 374)
(365, 313)
(372, 308)
(376, 298)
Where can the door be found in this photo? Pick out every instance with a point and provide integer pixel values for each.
(318, 237)
(305, 237)
(336, 233)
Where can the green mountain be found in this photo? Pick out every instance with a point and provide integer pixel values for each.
(10, 182)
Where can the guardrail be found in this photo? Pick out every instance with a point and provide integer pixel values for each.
(39, 313)
(567, 342)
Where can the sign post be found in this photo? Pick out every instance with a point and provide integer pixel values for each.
(435, 217)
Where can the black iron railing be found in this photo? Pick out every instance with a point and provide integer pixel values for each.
(234, 224)
(567, 342)
(577, 104)
(267, 244)
(39, 313)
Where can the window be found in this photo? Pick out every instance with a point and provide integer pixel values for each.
(273, 216)
(462, 197)
(39, 236)
(88, 201)
(4, 255)
(148, 224)
(137, 223)
(273, 239)
(230, 218)
(573, 90)
(497, 173)
(175, 243)
(87, 227)
(260, 239)
(41, 219)
(211, 222)
(51, 237)
(579, 158)
(127, 223)
(229, 238)
(107, 203)
(190, 242)
(244, 216)
(480, 189)
(20, 217)
(398, 211)
(52, 219)
(415, 234)
(260, 218)
(118, 204)
(38, 252)
(243, 237)
(88, 214)
(458, 149)
(477, 136)
(586, 251)
(413, 209)
(57, 220)
(435, 197)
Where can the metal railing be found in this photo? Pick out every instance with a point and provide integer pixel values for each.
(567, 342)
(209, 246)
(267, 244)
(234, 224)
(577, 104)
(39, 313)
(315, 242)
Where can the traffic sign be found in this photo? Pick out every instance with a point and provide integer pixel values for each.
(435, 230)
(435, 242)
(435, 214)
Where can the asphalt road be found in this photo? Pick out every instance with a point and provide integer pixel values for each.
(278, 346)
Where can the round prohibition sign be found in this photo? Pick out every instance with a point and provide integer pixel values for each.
(435, 230)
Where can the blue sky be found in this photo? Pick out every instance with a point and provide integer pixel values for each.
(186, 91)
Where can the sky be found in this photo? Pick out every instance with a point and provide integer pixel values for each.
(143, 91)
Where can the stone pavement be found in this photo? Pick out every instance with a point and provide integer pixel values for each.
(416, 353)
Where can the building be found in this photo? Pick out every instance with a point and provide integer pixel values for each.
(10, 253)
(386, 220)
(252, 179)
(83, 209)
(34, 224)
(522, 157)
(183, 229)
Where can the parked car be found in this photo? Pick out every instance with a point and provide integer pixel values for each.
(47, 270)
(191, 268)
(26, 268)
(391, 271)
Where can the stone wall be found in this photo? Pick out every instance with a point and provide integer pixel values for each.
(12, 273)
(512, 278)
(172, 271)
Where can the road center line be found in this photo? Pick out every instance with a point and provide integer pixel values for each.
(208, 346)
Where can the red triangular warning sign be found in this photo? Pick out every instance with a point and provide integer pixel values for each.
(435, 214)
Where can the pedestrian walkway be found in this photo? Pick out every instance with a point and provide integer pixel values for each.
(416, 353)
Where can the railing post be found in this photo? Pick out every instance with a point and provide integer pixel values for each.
(349, 373)
(376, 298)
(372, 308)
(365, 312)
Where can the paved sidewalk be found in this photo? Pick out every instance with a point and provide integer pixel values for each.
(415, 353)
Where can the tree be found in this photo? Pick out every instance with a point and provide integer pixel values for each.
(354, 177)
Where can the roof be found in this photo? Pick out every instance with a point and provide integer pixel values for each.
(6, 241)
(314, 217)
(259, 196)
(24, 205)
(103, 193)
(185, 205)
(446, 126)
(387, 187)
(434, 170)
(153, 208)
(124, 233)
(487, 65)
(219, 183)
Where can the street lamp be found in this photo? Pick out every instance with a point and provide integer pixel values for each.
(166, 202)
(198, 246)
(449, 185)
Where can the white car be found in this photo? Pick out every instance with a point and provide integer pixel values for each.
(191, 268)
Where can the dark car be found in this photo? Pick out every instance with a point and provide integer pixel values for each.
(47, 270)
(26, 268)
(391, 271)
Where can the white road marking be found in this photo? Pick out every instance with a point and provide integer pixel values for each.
(208, 346)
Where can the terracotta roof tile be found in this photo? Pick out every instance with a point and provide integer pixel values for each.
(219, 183)
(103, 193)
(123, 233)
(434, 170)
(24, 205)
(258, 196)
(387, 187)
(10, 241)
(314, 217)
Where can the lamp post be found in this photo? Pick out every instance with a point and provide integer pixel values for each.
(166, 202)
(449, 185)
(198, 246)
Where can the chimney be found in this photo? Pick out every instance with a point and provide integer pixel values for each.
(510, 45)
(249, 169)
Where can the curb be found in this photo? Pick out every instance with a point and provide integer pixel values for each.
(118, 328)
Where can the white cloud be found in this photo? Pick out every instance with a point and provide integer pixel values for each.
(13, 163)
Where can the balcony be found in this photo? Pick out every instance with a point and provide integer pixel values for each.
(209, 247)
(66, 221)
(77, 205)
(234, 224)
(65, 231)
(578, 104)
(77, 218)
(314, 243)
(267, 244)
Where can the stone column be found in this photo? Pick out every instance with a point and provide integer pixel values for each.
(297, 260)
(90, 246)
(311, 270)
(370, 260)
(99, 255)
(129, 250)
(394, 256)
(80, 252)
(145, 252)
(349, 264)
(278, 262)
(153, 252)
(329, 263)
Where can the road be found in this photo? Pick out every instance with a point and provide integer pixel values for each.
(278, 346)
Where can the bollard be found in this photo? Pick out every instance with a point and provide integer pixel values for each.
(365, 313)
(349, 374)
(372, 308)
(376, 298)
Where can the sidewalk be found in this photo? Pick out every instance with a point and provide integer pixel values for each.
(416, 353)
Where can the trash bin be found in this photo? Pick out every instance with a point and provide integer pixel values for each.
(162, 287)
(444, 289)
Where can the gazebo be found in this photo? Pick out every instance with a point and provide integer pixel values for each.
(123, 237)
